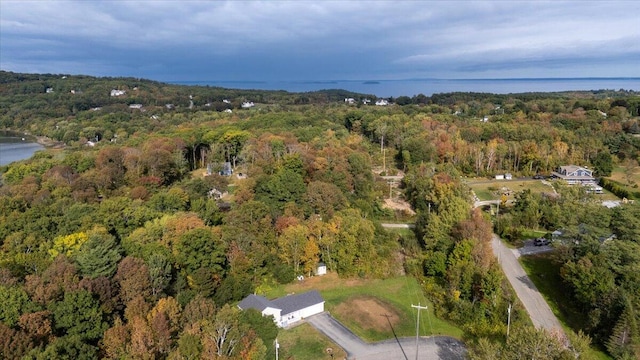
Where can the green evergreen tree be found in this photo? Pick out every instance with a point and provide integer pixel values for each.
(99, 255)
(624, 341)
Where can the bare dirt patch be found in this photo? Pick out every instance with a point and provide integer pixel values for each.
(369, 312)
(399, 204)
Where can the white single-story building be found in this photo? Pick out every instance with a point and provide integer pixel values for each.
(321, 269)
(286, 310)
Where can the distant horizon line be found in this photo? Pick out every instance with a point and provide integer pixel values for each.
(328, 81)
(310, 81)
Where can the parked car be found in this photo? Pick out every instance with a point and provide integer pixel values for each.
(541, 242)
(538, 177)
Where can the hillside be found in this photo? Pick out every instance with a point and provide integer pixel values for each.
(163, 209)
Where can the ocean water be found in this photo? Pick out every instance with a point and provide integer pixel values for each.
(411, 87)
(13, 148)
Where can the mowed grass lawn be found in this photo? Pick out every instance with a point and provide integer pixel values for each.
(491, 189)
(621, 175)
(373, 308)
(628, 179)
(304, 342)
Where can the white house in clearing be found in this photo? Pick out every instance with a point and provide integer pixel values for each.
(116, 92)
(573, 174)
(286, 310)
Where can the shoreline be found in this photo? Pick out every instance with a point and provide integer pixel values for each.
(49, 143)
(45, 141)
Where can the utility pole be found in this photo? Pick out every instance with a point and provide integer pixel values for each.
(384, 158)
(277, 346)
(418, 324)
(508, 319)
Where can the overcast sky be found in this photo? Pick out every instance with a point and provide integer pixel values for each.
(321, 40)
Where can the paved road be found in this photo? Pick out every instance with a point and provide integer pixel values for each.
(490, 202)
(398, 226)
(536, 306)
(434, 347)
(530, 248)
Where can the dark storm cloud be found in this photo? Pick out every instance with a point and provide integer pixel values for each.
(302, 40)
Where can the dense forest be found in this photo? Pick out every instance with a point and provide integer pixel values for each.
(159, 206)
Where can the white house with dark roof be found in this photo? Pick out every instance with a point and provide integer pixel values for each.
(573, 174)
(286, 310)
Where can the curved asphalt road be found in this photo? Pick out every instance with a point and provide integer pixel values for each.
(434, 347)
(536, 306)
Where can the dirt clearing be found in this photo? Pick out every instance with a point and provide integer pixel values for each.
(368, 312)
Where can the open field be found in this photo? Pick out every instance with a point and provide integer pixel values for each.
(493, 189)
(545, 274)
(304, 342)
(626, 176)
(374, 309)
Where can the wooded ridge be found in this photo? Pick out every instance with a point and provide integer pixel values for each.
(167, 204)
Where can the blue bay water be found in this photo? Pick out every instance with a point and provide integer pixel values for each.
(411, 87)
(13, 148)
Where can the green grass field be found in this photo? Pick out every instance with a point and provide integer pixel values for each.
(625, 176)
(398, 294)
(392, 296)
(628, 179)
(491, 189)
(304, 342)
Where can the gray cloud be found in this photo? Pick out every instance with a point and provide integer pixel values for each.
(293, 40)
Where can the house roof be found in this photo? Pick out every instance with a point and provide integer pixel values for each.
(287, 304)
(255, 302)
(291, 303)
(570, 168)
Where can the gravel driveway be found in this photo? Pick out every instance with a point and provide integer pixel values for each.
(536, 306)
(434, 347)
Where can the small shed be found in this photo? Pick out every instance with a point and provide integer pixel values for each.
(499, 177)
(226, 169)
(321, 269)
(508, 176)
